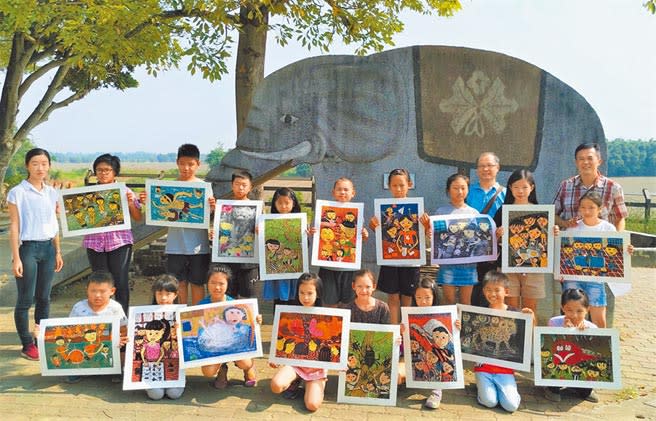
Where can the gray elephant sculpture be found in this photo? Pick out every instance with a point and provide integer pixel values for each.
(431, 109)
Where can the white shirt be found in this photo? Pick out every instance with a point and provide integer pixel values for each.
(36, 211)
(113, 308)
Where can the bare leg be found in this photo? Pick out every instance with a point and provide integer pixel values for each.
(512, 301)
(182, 292)
(406, 300)
(598, 316)
(449, 294)
(282, 379)
(314, 394)
(210, 370)
(465, 294)
(197, 293)
(394, 303)
(531, 303)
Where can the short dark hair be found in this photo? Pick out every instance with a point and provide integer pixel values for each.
(288, 193)
(574, 294)
(399, 171)
(166, 282)
(361, 273)
(109, 159)
(496, 277)
(242, 174)
(426, 283)
(36, 152)
(587, 145)
(454, 177)
(100, 277)
(188, 151)
(314, 279)
(219, 268)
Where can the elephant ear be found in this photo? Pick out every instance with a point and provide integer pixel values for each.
(363, 108)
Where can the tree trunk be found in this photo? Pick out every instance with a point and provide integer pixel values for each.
(249, 70)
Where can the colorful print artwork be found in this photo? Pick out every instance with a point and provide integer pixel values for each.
(527, 238)
(284, 248)
(400, 238)
(593, 256)
(496, 337)
(219, 332)
(372, 374)
(235, 240)
(152, 356)
(567, 357)
(433, 352)
(79, 346)
(463, 239)
(338, 241)
(314, 337)
(94, 209)
(179, 204)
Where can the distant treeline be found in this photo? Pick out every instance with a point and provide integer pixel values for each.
(636, 158)
(80, 157)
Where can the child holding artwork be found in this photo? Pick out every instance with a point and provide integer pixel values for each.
(282, 291)
(188, 249)
(244, 275)
(34, 244)
(365, 308)
(425, 295)
(525, 287)
(100, 288)
(112, 251)
(589, 210)
(496, 385)
(165, 292)
(455, 276)
(288, 379)
(218, 279)
(398, 282)
(337, 282)
(575, 306)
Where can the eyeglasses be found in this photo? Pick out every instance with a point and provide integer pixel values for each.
(104, 170)
(486, 166)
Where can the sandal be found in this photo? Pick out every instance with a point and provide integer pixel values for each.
(293, 391)
(250, 379)
(221, 381)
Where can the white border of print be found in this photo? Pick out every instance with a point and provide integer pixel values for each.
(204, 224)
(505, 259)
(126, 225)
(421, 260)
(218, 214)
(320, 204)
(262, 253)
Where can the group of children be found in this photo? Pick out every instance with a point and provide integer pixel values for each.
(188, 259)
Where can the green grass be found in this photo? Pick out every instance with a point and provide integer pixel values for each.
(637, 223)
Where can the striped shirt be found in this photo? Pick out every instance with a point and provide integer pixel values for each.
(108, 241)
(570, 191)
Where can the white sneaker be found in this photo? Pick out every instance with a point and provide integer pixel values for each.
(433, 401)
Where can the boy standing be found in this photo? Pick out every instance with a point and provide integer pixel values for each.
(188, 249)
(244, 275)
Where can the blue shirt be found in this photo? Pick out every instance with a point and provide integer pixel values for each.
(208, 300)
(478, 198)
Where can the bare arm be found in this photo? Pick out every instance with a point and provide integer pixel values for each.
(135, 212)
(620, 224)
(14, 240)
(59, 261)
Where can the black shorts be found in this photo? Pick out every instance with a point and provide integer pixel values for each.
(189, 267)
(337, 286)
(398, 280)
(243, 279)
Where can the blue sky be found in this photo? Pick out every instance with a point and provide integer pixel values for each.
(604, 49)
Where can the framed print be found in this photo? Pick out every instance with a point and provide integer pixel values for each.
(600, 256)
(463, 239)
(182, 204)
(152, 357)
(234, 239)
(338, 241)
(433, 359)
(313, 337)
(94, 209)
(400, 238)
(496, 337)
(218, 333)
(528, 241)
(569, 357)
(373, 358)
(284, 248)
(79, 346)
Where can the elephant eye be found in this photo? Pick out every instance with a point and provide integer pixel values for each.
(288, 119)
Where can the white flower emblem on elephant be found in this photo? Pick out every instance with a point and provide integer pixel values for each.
(478, 103)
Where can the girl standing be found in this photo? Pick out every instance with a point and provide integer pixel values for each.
(284, 290)
(455, 276)
(525, 288)
(398, 282)
(165, 292)
(112, 251)
(288, 378)
(35, 248)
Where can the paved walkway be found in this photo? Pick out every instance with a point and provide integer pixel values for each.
(24, 394)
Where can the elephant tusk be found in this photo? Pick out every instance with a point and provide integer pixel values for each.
(302, 149)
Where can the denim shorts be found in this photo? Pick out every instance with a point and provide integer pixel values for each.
(596, 291)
